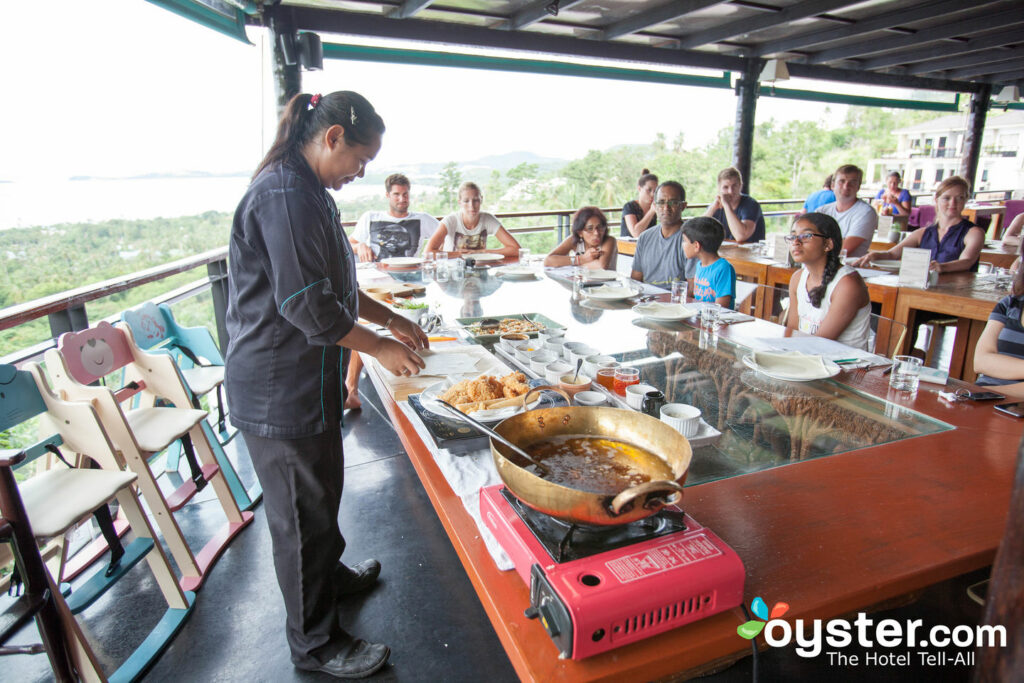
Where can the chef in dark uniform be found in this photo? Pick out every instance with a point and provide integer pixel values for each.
(291, 320)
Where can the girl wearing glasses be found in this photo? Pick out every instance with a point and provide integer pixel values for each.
(589, 240)
(827, 298)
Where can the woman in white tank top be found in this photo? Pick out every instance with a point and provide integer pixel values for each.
(828, 299)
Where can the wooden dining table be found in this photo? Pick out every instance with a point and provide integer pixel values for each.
(994, 211)
(860, 515)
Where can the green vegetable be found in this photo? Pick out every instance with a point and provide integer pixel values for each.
(413, 305)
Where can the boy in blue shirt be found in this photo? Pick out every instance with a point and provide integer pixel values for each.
(715, 280)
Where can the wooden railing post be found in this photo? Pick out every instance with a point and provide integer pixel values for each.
(218, 273)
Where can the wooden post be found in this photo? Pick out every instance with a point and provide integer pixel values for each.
(287, 78)
(975, 129)
(743, 133)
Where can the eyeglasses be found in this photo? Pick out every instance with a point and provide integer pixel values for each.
(801, 238)
(592, 228)
(668, 202)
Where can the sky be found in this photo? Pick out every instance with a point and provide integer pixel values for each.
(140, 90)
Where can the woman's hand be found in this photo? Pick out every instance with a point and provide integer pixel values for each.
(398, 358)
(591, 254)
(409, 333)
(865, 260)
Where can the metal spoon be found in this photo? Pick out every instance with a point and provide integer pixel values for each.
(493, 434)
(579, 364)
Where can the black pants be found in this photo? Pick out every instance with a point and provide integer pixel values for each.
(302, 481)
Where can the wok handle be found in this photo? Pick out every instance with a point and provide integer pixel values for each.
(671, 493)
(526, 396)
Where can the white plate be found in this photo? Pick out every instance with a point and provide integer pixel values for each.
(656, 310)
(886, 264)
(427, 400)
(599, 275)
(831, 367)
(516, 272)
(610, 293)
(484, 258)
(402, 261)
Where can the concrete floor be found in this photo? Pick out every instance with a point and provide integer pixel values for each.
(424, 607)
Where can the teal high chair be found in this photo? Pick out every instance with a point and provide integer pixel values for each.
(201, 367)
(47, 505)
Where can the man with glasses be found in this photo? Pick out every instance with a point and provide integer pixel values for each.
(857, 220)
(659, 257)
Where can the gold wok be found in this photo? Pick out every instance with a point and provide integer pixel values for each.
(583, 507)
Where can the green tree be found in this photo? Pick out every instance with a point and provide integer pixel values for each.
(451, 178)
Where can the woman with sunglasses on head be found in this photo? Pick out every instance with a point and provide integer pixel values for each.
(589, 240)
(827, 299)
(292, 322)
(465, 232)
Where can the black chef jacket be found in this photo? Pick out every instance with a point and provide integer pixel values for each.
(292, 294)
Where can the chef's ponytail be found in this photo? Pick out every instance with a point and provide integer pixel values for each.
(307, 116)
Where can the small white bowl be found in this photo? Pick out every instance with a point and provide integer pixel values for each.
(580, 353)
(527, 351)
(553, 371)
(551, 333)
(511, 344)
(568, 348)
(681, 417)
(541, 360)
(589, 398)
(555, 345)
(635, 394)
(592, 363)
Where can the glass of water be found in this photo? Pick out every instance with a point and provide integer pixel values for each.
(524, 256)
(441, 266)
(709, 316)
(906, 373)
(678, 290)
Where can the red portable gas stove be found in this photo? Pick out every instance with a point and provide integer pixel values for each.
(598, 588)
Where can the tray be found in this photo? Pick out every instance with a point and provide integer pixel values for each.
(705, 436)
(492, 338)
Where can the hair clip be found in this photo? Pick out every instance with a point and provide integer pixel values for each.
(314, 100)
(352, 114)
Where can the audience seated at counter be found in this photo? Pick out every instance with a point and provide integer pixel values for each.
(999, 355)
(739, 213)
(954, 241)
(466, 231)
(659, 257)
(857, 221)
(589, 241)
(822, 197)
(638, 214)
(715, 279)
(893, 200)
(827, 298)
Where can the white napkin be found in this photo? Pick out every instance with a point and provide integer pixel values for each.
(791, 364)
(660, 309)
(610, 290)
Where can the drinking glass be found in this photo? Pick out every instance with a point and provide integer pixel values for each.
(678, 290)
(709, 316)
(606, 378)
(906, 373)
(842, 256)
(457, 269)
(624, 377)
(524, 256)
(984, 268)
(428, 264)
(441, 267)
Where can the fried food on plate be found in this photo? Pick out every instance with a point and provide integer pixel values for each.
(471, 395)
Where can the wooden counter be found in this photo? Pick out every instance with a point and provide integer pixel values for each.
(830, 536)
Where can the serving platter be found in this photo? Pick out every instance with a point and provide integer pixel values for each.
(832, 369)
(659, 310)
(485, 257)
(538, 318)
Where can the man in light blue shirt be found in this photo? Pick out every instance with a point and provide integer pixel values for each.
(659, 257)
(820, 198)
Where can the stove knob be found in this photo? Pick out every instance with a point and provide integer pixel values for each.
(531, 612)
(545, 614)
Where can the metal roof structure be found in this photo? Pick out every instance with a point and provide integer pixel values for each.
(951, 45)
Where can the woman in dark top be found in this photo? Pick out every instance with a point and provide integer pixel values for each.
(638, 214)
(293, 306)
(954, 241)
(999, 355)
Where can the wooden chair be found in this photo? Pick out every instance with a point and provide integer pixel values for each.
(201, 368)
(47, 505)
(138, 433)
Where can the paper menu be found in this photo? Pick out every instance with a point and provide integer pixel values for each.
(914, 267)
(884, 226)
(781, 250)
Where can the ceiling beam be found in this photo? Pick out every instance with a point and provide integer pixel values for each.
(884, 22)
(998, 71)
(971, 59)
(655, 16)
(531, 14)
(801, 10)
(949, 49)
(436, 32)
(408, 8)
(952, 29)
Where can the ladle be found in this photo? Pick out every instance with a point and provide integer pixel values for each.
(493, 434)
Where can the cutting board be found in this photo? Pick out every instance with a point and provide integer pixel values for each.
(400, 288)
(401, 387)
